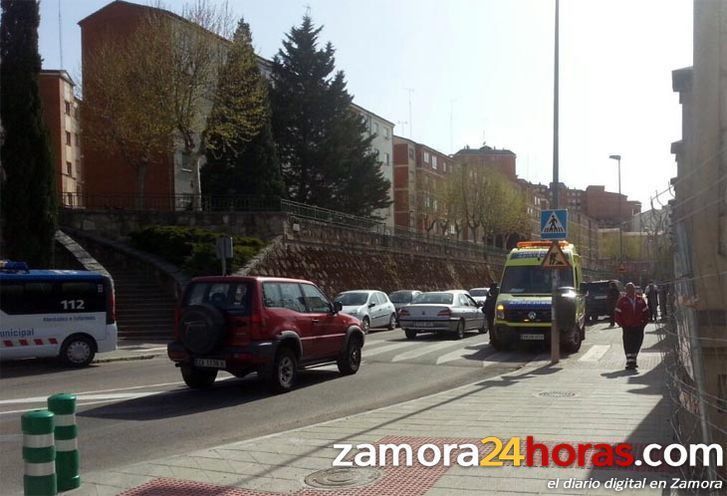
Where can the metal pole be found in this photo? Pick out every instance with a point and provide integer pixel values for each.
(554, 338)
(620, 216)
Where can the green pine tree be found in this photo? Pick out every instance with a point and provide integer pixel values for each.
(29, 197)
(241, 156)
(326, 157)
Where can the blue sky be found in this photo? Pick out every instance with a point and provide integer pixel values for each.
(488, 65)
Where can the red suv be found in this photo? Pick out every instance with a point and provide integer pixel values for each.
(271, 326)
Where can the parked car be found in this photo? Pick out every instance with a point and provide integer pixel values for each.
(479, 295)
(402, 298)
(453, 312)
(372, 308)
(271, 326)
(596, 293)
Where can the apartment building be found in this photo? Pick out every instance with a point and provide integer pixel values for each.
(61, 117)
(419, 172)
(502, 160)
(382, 143)
(699, 230)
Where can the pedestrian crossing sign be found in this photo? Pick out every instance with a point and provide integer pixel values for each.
(555, 258)
(554, 224)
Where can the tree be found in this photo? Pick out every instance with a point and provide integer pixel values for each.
(151, 91)
(326, 156)
(127, 102)
(29, 199)
(241, 156)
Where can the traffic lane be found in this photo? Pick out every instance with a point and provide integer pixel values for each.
(181, 420)
(27, 378)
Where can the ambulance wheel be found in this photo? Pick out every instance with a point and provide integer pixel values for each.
(78, 351)
(572, 343)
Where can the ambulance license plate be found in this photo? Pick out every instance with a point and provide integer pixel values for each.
(532, 337)
(210, 363)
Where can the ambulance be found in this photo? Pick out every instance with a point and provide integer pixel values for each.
(68, 314)
(523, 307)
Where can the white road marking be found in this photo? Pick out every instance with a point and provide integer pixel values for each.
(595, 353)
(384, 349)
(460, 353)
(423, 349)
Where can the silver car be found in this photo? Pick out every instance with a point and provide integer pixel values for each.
(479, 295)
(453, 312)
(372, 308)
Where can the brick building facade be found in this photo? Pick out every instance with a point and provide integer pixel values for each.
(61, 118)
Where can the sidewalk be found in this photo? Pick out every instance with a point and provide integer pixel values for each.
(587, 398)
(133, 350)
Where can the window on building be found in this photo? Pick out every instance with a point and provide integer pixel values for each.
(68, 108)
(68, 138)
(426, 157)
(387, 159)
(434, 161)
(78, 167)
(376, 127)
(386, 132)
(69, 168)
(411, 152)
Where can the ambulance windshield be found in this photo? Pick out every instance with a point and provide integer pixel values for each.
(532, 279)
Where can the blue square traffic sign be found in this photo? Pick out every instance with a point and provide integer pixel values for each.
(554, 224)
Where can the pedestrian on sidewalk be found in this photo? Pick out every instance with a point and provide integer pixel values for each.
(489, 308)
(632, 314)
(613, 295)
(652, 294)
(663, 300)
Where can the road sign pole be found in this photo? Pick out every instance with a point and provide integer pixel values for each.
(554, 335)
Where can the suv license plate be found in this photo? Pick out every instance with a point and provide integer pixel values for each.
(532, 337)
(210, 363)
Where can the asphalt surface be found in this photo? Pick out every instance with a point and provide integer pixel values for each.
(139, 410)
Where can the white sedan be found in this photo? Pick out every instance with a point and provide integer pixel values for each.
(452, 312)
(373, 308)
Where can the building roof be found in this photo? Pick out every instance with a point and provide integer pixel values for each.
(60, 73)
(484, 150)
(361, 109)
(681, 79)
(421, 144)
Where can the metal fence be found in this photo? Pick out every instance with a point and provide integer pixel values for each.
(214, 203)
(169, 203)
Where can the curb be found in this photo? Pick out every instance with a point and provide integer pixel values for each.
(128, 358)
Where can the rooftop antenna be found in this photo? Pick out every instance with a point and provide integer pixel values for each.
(401, 123)
(410, 90)
(60, 33)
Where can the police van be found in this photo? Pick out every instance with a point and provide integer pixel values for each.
(523, 307)
(68, 314)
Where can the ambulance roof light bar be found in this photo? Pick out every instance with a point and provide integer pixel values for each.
(540, 244)
(10, 266)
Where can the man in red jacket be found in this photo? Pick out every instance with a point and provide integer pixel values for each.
(632, 314)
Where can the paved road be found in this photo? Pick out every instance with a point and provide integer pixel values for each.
(140, 410)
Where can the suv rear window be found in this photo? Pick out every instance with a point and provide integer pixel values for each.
(223, 295)
(599, 288)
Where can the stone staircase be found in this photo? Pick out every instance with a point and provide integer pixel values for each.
(144, 311)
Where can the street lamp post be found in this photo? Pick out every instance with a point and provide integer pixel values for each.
(620, 215)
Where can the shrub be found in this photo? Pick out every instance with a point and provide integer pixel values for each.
(193, 249)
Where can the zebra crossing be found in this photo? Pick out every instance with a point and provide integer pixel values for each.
(475, 350)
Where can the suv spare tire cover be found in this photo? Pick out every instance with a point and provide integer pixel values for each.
(201, 328)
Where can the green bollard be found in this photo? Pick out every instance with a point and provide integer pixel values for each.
(66, 434)
(39, 454)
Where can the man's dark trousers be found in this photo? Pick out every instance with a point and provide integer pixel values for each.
(633, 338)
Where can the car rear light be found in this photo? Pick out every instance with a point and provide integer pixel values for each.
(403, 312)
(445, 313)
